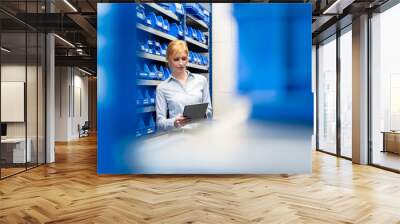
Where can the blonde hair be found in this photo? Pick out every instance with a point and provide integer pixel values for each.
(175, 46)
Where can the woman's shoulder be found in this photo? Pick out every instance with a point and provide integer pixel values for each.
(199, 76)
(162, 85)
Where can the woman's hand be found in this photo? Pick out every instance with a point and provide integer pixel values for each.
(181, 121)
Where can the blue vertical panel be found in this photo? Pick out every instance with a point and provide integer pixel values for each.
(116, 66)
(274, 64)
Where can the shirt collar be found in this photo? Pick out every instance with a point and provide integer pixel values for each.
(190, 75)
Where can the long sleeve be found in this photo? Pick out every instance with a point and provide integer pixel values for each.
(161, 109)
(206, 98)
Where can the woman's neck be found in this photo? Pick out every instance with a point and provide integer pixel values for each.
(180, 76)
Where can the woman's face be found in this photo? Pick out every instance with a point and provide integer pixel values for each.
(178, 61)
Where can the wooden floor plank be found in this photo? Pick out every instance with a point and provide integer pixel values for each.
(70, 191)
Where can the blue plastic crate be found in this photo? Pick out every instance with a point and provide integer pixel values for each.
(201, 37)
(153, 72)
(193, 33)
(150, 124)
(146, 97)
(140, 127)
(201, 57)
(157, 48)
(197, 11)
(191, 57)
(148, 21)
(178, 8)
(196, 58)
(164, 49)
(139, 97)
(152, 93)
(141, 16)
(156, 21)
(206, 17)
(186, 30)
(145, 73)
(167, 73)
(137, 71)
(166, 26)
(143, 47)
(161, 73)
(150, 45)
(176, 30)
(160, 23)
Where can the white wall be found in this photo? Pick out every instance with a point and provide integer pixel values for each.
(224, 46)
(70, 84)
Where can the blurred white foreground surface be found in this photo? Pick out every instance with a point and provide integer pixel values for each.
(229, 145)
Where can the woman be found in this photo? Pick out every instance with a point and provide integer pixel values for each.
(182, 88)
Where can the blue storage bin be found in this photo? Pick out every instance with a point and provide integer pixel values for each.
(193, 57)
(145, 73)
(206, 17)
(195, 10)
(152, 93)
(176, 30)
(153, 72)
(161, 73)
(201, 36)
(201, 59)
(166, 26)
(160, 23)
(139, 97)
(140, 127)
(151, 125)
(186, 30)
(157, 48)
(190, 57)
(143, 47)
(148, 21)
(167, 73)
(196, 58)
(146, 97)
(141, 16)
(150, 45)
(193, 33)
(137, 71)
(178, 8)
(156, 21)
(164, 49)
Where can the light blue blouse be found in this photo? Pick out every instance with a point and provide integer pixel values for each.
(172, 96)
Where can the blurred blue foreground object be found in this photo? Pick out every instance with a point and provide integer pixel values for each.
(274, 61)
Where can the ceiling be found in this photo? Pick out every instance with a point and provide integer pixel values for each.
(76, 23)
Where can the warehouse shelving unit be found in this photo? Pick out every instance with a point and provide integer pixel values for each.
(164, 37)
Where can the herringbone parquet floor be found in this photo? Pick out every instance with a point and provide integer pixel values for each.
(70, 191)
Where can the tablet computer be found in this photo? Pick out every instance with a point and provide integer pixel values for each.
(195, 111)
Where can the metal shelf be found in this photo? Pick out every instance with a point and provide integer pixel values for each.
(145, 82)
(199, 22)
(163, 11)
(145, 109)
(162, 59)
(195, 42)
(155, 32)
(152, 57)
(201, 67)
